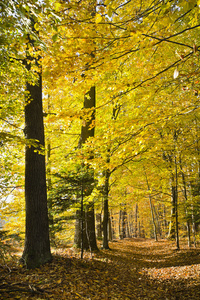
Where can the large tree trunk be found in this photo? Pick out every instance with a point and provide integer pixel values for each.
(37, 244)
(86, 132)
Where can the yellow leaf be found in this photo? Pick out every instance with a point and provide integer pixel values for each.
(78, 294)
(57, 6)
(36, 26)
(107, 2)
(98, 18)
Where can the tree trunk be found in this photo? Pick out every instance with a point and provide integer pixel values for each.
(193, 226)
(80, 231)
(124, 223)
(37, 244)
(139, 229)
(151, 207)
(49, 184)
(49, 187)
(90, 226)
(157, 214)
(120, 227)
(130, 224)
(136, 220)
(106, 211)
(112, 225)
(110, 229)
(186, 204)
(176, 206)
(127, 225)
(99, 226)
(87, 130)
(165, 223)
(172, 229)
(142, 229)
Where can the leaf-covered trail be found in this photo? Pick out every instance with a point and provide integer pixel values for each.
(133, 269)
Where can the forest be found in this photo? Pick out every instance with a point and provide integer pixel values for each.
(100, 148)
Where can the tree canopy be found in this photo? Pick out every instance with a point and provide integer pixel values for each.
(143, 59)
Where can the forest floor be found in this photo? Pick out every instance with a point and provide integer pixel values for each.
(132, 269)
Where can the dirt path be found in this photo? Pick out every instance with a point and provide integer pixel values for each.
(156, 270)
(133, 269)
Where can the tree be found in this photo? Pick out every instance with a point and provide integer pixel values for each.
(151, 206)
(37, 244)
(87, 131)
(21, 49)
(105, 209)
(142, 57)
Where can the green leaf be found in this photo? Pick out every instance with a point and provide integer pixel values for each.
(55, 37)
(110, 11)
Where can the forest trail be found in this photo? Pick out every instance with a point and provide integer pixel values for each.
(132, 269)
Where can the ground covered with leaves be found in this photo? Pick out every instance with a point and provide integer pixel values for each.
(132, 269)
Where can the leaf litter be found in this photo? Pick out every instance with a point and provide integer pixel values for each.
(132, 269)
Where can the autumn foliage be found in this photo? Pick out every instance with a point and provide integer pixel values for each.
(134, 269)
(113, 88)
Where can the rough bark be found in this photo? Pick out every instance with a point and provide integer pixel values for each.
(37, 244)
